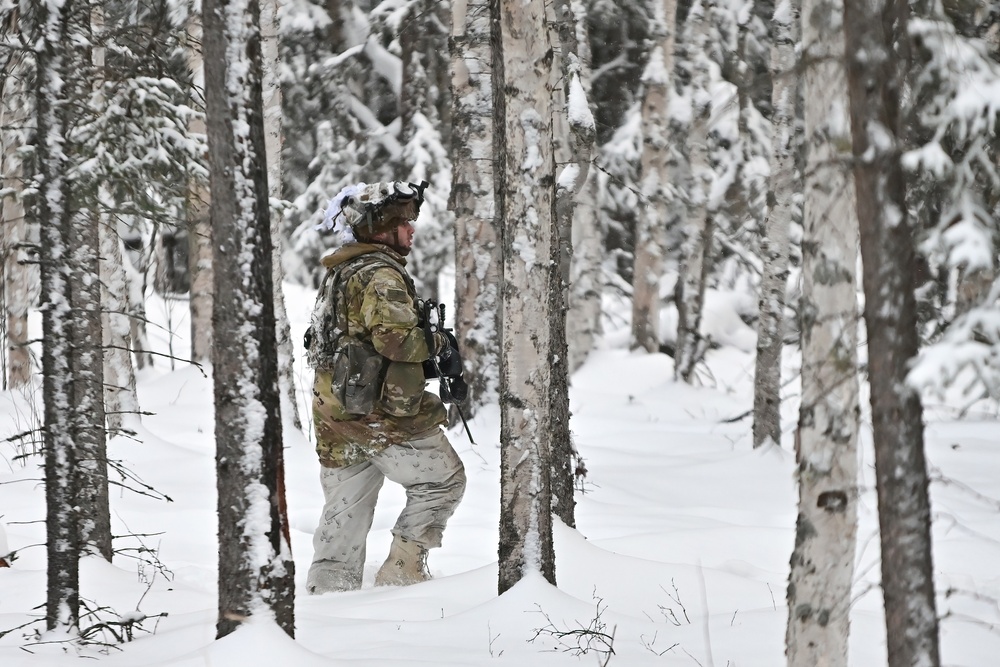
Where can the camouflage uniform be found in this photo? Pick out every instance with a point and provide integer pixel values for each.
(401, 438)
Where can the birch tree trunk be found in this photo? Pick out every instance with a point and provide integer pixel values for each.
(199, 225)
(273, 140)
(877, 50)
(583, 316)
(19, 278)
(822, 562)
(477, 251)
(62, 516)
(523, 141)
(698, 226)
(120, 397)
(654, 215)
(775, 245)
(256, 571)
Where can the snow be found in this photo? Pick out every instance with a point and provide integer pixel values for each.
(681, 551)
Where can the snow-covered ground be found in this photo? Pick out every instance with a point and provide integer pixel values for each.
(680, 556)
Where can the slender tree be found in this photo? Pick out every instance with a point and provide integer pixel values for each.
(822, 562)
(877, 51)
(699, 224)
(256, 571)
(477, 249)
(425, 105)
(274, 140)
(574, 67)
(784, 183)
(196, 211)
(524, 190)
(20, 281)
(651, 232)
(61, 481)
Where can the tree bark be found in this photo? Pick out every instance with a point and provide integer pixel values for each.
(785, 182)
(822, 562)
(477, 255)
(274, 140)
(199, 226)
(877, 52)
(20, 280)
(256, 571)
(698, 226)
(574, 66)
(523, 140)
(650, 233)
(62, 516)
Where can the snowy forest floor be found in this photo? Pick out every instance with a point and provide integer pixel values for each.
(680, 556)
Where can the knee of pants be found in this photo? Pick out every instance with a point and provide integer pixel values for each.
(458, 480)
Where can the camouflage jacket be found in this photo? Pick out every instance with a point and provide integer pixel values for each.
(381, 314)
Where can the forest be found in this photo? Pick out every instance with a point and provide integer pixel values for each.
(828, 170)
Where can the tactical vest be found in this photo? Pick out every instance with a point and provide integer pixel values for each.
(356, 368)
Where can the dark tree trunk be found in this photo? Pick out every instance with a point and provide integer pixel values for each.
(62, 513)
(876, 48)
(256, 573)
(87, 369)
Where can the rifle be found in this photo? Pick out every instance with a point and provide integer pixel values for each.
(452, 386)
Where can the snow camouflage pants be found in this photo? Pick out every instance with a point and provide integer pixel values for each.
(434, 479)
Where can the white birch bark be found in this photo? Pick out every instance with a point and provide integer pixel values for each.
(20, 278)
(654, 215)
(121, 402)
(273, 140)
(822, 562)
(698, 225)
(120, 396)
(477, 259)
(775, 244)
(198, 223)
(583, 317)
(523, 137)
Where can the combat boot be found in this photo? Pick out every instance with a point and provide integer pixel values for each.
(406, 564)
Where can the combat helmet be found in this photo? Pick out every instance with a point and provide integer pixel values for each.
(362, 210)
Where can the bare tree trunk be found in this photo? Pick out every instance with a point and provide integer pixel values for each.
(583, 316)
(120, 397)
(477, 249)
(274, 141)
(256, 571)
(20, 281)
(62, 516)
(699, 226)
(877, 51)
(822, 562)
(785, 182)
(574, 61)
(426, 116)
(522, 136)
(199, 226)
(650, 233)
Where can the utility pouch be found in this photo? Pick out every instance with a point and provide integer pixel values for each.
(357, 381)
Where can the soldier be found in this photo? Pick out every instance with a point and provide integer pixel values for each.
(372, 417)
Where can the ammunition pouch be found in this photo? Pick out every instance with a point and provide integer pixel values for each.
(357, 376)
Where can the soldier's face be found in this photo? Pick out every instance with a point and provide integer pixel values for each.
(404, 234)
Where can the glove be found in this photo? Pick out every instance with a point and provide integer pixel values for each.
(442, 345)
